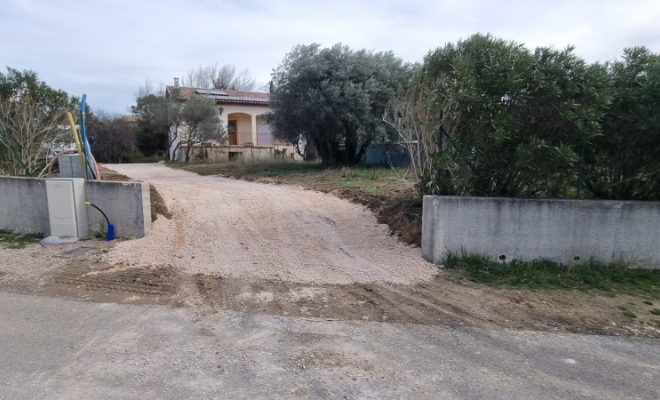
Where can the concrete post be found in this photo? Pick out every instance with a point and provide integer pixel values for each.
(224, 121)
(254, 129)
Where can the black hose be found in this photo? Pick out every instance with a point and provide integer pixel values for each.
(101, 211)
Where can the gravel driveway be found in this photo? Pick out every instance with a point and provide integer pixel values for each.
(241, 229)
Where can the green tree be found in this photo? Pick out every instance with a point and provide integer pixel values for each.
(334, 98)
(624, 162)
(32, 121)
(200, 125)
(160, 118)
(510, 121)
(112, 137)
(152, 124)
(16, 85)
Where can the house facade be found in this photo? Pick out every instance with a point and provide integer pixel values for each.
(241, 114)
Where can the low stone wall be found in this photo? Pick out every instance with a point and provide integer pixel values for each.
(24, 206)
(238, 153)
(566, 231)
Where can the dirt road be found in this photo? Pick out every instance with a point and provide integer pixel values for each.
(63, 349)
(241, 229)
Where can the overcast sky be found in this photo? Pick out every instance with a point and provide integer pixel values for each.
(108, 48)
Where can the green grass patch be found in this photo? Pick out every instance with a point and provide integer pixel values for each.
(550, 275)
(629, 314)
(256, 169)
(378, 180)
(650, 303)
(12, 240)
(655, 311)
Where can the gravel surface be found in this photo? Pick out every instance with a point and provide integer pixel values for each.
(29, 264)
(61, 349)
(242, 229)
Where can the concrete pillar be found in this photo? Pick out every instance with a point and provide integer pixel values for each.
(254, 129)
(175, 139)
(224, 121)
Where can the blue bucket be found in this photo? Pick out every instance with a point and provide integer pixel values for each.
(111, 233)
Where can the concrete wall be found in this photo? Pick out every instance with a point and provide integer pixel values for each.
(24, 206)
(567, 231)
(230, 153)
(127, 205)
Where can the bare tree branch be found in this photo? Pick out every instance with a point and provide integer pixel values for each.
(214, 77)
(28, 132)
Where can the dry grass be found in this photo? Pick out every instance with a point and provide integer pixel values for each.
(311, 175)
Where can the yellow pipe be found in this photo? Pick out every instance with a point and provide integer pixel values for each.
(74, 132)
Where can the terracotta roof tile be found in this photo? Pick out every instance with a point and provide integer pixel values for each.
(254, 95)
(233, 96)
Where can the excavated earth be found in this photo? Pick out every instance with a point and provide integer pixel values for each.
(281, 250)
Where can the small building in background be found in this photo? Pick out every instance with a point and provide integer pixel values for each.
(241, 114)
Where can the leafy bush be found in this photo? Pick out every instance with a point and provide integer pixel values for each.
(505, 120)
(624, 162)
(487, 117)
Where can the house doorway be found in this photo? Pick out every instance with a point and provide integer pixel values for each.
(232, 128)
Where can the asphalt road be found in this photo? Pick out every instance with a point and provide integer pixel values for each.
(53, 348)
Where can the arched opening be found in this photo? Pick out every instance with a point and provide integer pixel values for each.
(239, 129)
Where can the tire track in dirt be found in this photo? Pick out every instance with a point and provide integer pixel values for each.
(433, 303)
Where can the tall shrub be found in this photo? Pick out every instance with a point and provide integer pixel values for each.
(508, 121)
(624, 162)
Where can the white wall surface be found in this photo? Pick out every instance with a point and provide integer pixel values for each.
(566, 231)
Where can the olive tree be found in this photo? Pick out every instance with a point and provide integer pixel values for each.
(200, 125)
(334, 98)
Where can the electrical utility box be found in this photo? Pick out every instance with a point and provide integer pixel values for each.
(67, 211)
(70, 166)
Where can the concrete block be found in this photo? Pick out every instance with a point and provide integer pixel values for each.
(566, 231)
(24, 205)
(127, 205)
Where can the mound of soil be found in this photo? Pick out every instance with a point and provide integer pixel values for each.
(158, 206)
(403, 215)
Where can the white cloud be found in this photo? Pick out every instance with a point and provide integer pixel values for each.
(107, 49)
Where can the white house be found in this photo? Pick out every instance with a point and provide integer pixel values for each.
(241, 114)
